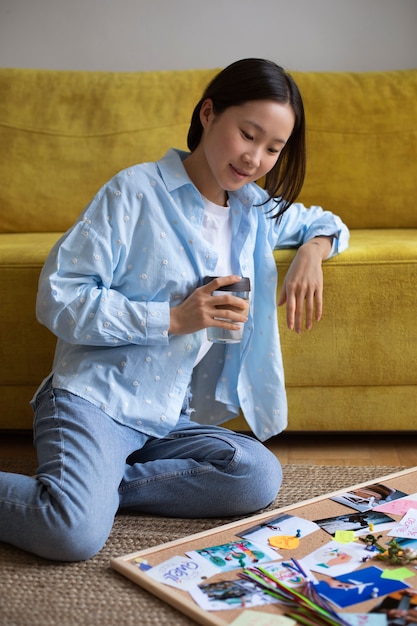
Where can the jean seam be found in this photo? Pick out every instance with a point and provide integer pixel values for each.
(58, 489)
(25, 506)
(167, 476)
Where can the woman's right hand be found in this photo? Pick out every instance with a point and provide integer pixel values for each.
(201, 310)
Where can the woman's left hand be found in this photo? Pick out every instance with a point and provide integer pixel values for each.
(302, 290)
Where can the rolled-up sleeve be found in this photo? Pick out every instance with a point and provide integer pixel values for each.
(300, 224)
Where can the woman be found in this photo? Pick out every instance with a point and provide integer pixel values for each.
(123, 292)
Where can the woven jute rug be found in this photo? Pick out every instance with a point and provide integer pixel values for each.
(35, 592)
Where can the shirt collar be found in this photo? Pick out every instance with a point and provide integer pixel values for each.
(172, 169)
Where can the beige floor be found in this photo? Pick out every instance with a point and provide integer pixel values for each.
(396, 449)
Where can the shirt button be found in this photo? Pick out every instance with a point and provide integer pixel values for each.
(140, 196)
(148, 359)
(135, 383)
(153, 183)
(163, 418)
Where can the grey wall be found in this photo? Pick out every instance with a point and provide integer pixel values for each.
(129, 35)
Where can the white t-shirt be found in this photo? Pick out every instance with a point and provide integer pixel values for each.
(217, 230)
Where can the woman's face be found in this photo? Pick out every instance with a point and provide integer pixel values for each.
(243, 143)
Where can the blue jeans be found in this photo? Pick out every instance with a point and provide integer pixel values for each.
(90, 467)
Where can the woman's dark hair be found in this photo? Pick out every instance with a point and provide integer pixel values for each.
(259, 79)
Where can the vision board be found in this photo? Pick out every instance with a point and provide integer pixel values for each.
(328, 536)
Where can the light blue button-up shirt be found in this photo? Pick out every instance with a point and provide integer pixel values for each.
(108, 284)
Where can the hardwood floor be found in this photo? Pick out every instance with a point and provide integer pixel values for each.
(351, 449)
(394, 449)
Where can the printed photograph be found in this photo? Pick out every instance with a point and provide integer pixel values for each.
(354, 521)
(230, 594)
(369, 497)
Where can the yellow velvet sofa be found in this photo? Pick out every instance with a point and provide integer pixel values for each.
(63, 134)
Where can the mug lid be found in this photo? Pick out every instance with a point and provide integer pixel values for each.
(242, 285)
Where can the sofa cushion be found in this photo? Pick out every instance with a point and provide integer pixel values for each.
(66, 133)
(26, 348)
(357, 368)
(362, 145)
(368, 334)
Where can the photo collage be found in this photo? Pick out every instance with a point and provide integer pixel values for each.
(370, 555)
